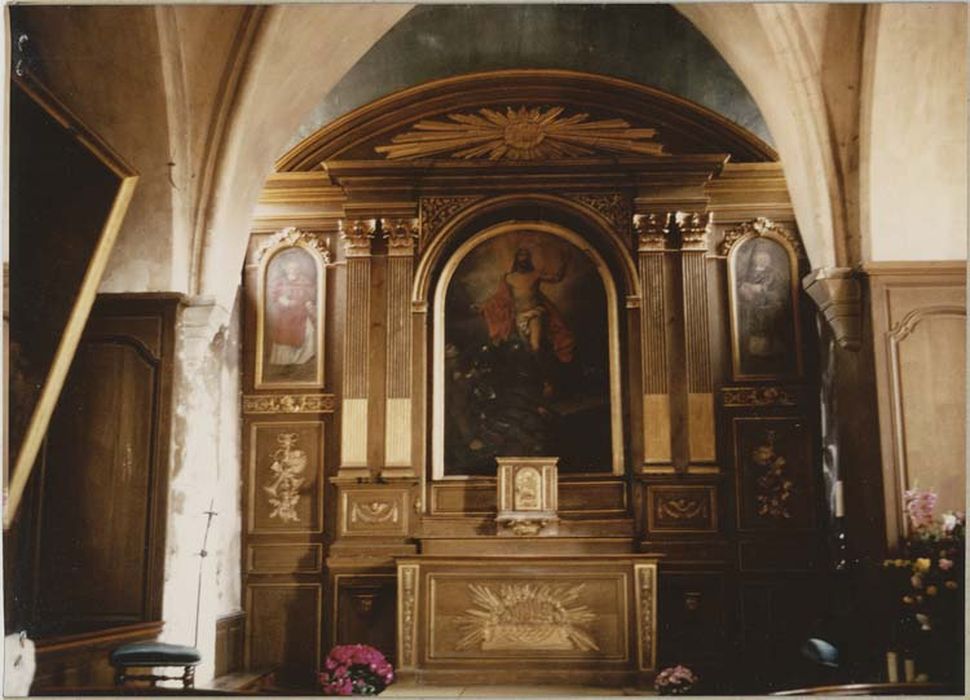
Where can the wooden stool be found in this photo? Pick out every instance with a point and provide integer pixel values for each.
(144, 654)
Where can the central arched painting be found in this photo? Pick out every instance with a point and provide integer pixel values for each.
(526, 356)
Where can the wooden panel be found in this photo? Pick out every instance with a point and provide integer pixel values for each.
(463, 497)
(365, 611)
(283, 629)
(681, 508)
(775, 475)
(230, 644)
(97, 490)
(284, 558)
(377, 510)
(285, 484)
(591, 612)
(593, 497)
(692, 612)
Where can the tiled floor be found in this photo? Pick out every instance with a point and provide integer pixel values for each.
(410, 690)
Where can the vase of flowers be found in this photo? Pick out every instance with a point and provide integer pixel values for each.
(355, 669)
(676, 680)
(926, 584)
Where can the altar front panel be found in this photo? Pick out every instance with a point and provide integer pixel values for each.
(464, 618)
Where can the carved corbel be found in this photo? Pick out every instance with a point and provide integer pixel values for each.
(837, 293)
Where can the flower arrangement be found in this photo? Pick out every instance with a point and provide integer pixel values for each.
(355, 669)
(927, 580)
(676, 680)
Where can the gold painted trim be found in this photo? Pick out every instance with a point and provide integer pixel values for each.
(652, 518)
(315, 247)
(612, 302)
(74, 328)
(253, 460)
(247, 652)
(783, 238)
(408, 589)
(288, 404)
(645, 597)
(251, 555)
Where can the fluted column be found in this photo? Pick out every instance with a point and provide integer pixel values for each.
(652, 232)
(356, 236)
(401, 235)
(700, 391)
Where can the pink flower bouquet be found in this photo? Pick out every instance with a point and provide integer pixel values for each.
(676, 680)
(355, 669)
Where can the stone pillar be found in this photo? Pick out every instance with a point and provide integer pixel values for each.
(401, 235)
(837, 293)
(356, 236)
(652, 232)
(700, 393)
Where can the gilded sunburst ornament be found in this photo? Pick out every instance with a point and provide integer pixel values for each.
(526, 133)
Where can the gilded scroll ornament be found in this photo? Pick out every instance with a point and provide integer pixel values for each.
(288, 466)
(375, 512)
(774, 488)
(759, 227)
(526, 616)
(520, 134)
(683, 508)
(742, 396)
(612, 206)
(291, 236)
(289, 403)
(437, 211)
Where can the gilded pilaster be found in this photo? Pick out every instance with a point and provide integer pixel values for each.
(401, 235)
(700, 393)
(652, 237)
(356, 236)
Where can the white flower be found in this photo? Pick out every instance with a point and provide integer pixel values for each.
(949, 522)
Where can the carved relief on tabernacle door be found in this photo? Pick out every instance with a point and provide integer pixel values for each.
(284, 491)
(775, 475)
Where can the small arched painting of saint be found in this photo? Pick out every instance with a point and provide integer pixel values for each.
(766, 343)
(526, 356)
(290, 337)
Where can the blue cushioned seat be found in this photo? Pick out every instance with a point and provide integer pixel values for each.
(155, 654)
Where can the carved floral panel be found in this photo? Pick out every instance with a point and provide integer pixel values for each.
(681, 508)
(775, 474)
(285, 462)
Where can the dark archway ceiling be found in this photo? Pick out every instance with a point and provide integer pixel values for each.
(649, 44)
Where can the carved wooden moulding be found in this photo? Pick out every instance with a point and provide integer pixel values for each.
(528, 495)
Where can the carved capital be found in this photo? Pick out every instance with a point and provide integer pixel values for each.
(693, 227)
(401, 235)
(837, 293)
(356, 235)
(652, 230)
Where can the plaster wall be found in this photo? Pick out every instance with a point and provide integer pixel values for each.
(914, 137)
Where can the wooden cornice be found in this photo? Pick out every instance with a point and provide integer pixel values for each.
(682, 126)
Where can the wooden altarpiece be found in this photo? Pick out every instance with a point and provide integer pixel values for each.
(569, 218)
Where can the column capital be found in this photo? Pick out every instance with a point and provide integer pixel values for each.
(356, 235)
(401, 235)
(653, 231)
(838, 294)
(693, 227)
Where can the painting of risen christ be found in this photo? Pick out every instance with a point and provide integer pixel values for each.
(526, 357)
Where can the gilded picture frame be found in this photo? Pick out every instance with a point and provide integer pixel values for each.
(762, 276)
(291, 311)
(86, 158)
(595, 260)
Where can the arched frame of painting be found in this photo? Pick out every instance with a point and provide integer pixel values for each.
(316, 251)
(743, 370)
(613, 344)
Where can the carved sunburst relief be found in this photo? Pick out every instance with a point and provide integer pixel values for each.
(526, 133)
